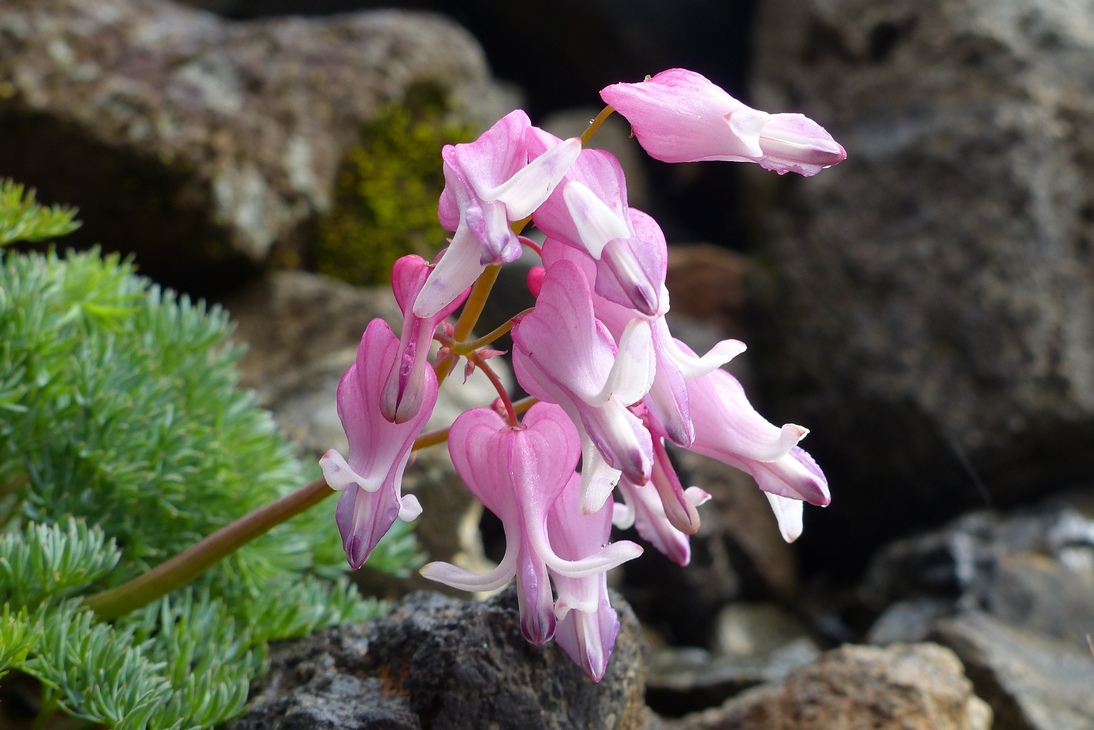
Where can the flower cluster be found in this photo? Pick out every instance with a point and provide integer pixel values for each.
(610, 385)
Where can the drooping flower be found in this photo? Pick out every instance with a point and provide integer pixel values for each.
(644, 509)
(371, 480)
(681, 116)
(403, 391)
(563, 355)
(489, 184)
(588, 211)
(728, 429)
(518, 473)
(587, 623)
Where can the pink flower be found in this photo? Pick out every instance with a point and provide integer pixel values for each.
(518, 474)
(644, 509)
(404, 388)
(587, 623)
(489, 185)
(680, 116)
(378, 449)
(588, 211)
(728, 429)
(562, 355)
(667, 400)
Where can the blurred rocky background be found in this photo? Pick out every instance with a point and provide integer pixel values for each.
(926, 308)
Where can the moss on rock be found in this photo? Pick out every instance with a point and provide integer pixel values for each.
(386, 190)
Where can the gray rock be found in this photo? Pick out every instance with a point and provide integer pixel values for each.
(199, 143)
(756, 643)
(1031, 681)
(1033, 569)
(914, 687)
(931, 300)
(443, 663)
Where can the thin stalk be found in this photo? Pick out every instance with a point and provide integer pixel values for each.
(481, 363)
(195, 560)
(595, 124)
(469, 317)
(522, 405)
(431, 439)
(472, 308)
(465, 348)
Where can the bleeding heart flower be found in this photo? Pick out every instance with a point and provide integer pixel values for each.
(378, 449)
(518, 473)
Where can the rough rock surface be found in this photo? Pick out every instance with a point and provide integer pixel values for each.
(932, 298)
(1032, 682)
(913, 687)
(438, 662)
(201, 143)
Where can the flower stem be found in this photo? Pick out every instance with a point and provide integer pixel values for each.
(195, 560)
(465, 348)
(595, 125)
(473, 307)
(469, 317)
(499, 386)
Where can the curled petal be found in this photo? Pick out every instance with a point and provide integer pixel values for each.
(530, 187)
(465, 580)
(596, 222)
(635, 366)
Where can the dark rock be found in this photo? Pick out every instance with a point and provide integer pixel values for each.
(927, 305)
(1032, 682)
(198, 143)
(439, 662)
(914, 687)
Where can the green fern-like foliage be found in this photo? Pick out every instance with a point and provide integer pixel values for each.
(124, 440)
(22, 219)
(385, 201)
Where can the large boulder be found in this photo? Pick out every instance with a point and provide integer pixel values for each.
(438, 662)
(928, 306)
(198, 143)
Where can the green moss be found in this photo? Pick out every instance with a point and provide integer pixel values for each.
(386, 191)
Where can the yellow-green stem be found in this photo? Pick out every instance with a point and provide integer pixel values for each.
(195, 560)
(465, 348)
(595, 124)
(469, 317)
(431, 439)
(472, 308)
